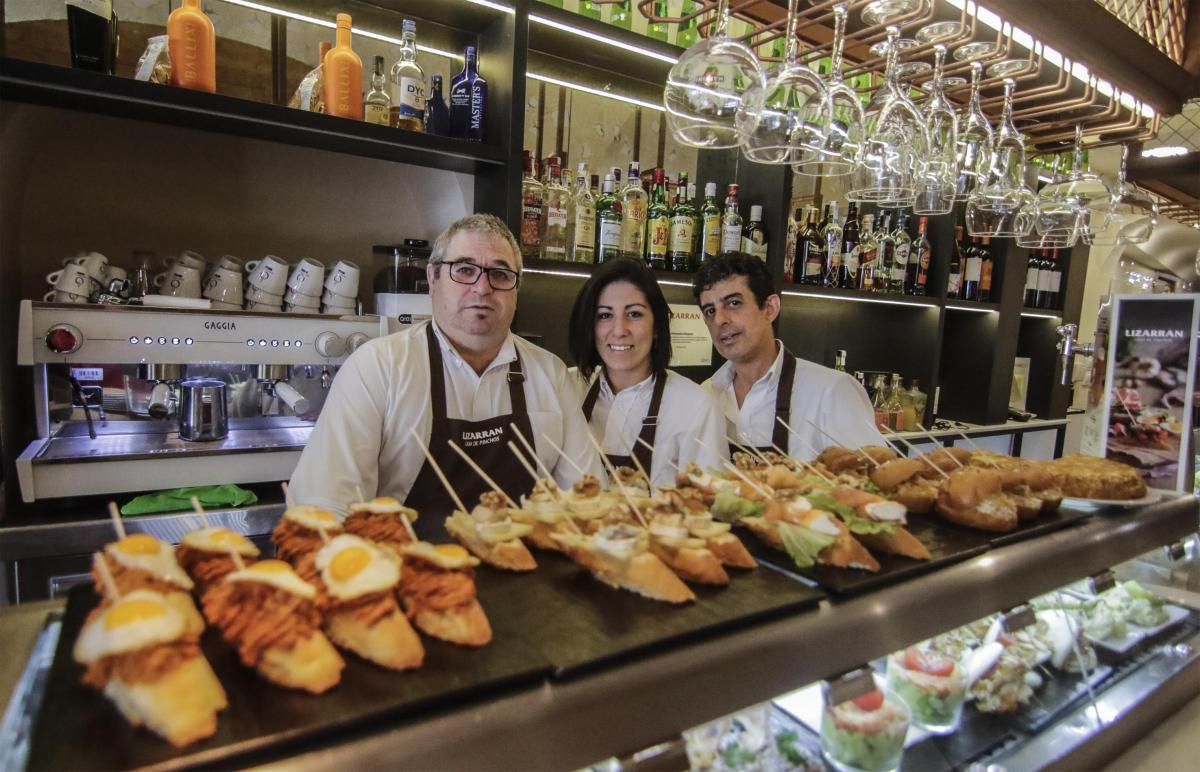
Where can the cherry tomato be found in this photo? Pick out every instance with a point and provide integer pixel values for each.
(870, 701)
(927, 662)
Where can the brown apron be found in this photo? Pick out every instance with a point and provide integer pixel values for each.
(484, 441)
(643, 454)
(783, 407)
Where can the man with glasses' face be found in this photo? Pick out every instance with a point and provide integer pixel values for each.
(461, 382)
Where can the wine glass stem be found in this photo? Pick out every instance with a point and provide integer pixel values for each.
(722, 19)
(793, 19)
(839, 41)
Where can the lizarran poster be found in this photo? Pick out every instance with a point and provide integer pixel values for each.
(1151, 369)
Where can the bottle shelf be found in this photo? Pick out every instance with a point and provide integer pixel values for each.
(72, 89)
(971, 305)
(860, 296)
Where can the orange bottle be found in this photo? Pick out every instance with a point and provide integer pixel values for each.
(192, 44)
(343, 75)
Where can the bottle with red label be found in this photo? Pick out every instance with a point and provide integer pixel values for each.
(532, 197)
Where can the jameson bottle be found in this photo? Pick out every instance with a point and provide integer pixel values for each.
(658, 223)
(710, 213)
(92, 29)
(680, 254)
(468, 101)
(848, 270)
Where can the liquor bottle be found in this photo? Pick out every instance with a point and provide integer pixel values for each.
(532, 199)
(731, 222)
(710, 236)
(879, 397)
(377, 104)
(1033, 272)
(468, 101)
(851, 249)
(754, 235)
(192, 44)
(634, 203)
(659, 29)
(1045, 295)
(556, 199)
(868, 254)
(985, 269)
(831, 235)
(903, 249)
(919, 400)
(697, 243)
(437, 112)
(622, 15)
(792, 246)
(687, 35)
(839, 360)
(681, 250)
(918, 261)
(658, 223)
(608, 220)
(590, 9)
(811, 251)
(886, 254)
(92, 29)
(1056, 276)
(408, 83)
(343, 75)
(583, 219)
(972, 270)
(954, 278)
(893, 405)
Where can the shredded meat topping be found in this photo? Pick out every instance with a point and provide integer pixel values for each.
(255, 617)
(129, 579)
(370, 608)
(385, 529)
(587, 486)
(493, 500)
(206, 567)
(425, 586)
(293, 540)
(142, 665)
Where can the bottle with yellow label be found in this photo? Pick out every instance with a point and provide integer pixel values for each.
(343, 75)
(710, 238)
(192, 44)
(658, 223)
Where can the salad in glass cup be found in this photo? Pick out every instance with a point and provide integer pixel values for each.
(932, 685)
(865, 734)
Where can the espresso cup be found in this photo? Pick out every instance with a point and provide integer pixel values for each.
(58, 296)
(73, 278)
(219, 306)
(182, 281)
(232, 263)
(300, 299)
(263, 307)
(186, 257)
(343, 279)
(93, 263)
(255, 295)
(306, 277)
(268, 274)
(224, 285)
(294, 309)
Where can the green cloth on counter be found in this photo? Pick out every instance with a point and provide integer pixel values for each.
(211, 496)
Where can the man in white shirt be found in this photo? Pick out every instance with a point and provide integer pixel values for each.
(462, 378)
(761, 382)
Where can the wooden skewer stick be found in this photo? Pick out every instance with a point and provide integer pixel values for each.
(287, 494)
(923, 457)
(115, 514)
(832, 439)
(765, 492)
(563, 454)
(666, 460)
(237, 560)
(531, 450)
(638, 464)
(804, 464)
(358, 490)
(437, 469)
(554, 491)
(482, 474)
(750, 450)
(969, 440)
(233, 553)
(620, 488)
(939, 447)
(524, 462)
(408, 527)
(110, 584)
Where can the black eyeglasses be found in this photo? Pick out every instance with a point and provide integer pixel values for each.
(501, 279)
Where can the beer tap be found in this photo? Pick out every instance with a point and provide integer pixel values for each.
(1068, 348)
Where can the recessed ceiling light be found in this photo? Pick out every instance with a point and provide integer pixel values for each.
(1166, 151)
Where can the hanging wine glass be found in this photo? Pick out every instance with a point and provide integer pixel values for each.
(894, 138)
(706, 86)
(1080, 204)
(1005, 207)
(937, 171)
(838, 119)
(974, 143)
(1134, 210)
(771, 115)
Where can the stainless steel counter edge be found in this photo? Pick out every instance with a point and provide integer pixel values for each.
(571, 724)
(82, 537)
(1009, 427)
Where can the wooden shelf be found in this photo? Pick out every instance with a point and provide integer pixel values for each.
(72, 89)
(861, 296)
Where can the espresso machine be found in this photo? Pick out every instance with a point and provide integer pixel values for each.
(132, 398)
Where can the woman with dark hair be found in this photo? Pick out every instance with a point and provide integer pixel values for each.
(620, 337)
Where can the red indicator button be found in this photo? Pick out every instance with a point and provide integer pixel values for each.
(63, 339)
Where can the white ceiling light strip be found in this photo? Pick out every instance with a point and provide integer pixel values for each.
(852, 299)
(972, 309)
(602, 39)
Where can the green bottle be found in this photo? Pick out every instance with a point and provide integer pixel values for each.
(683, 229)
(658, 223)
(659, 29)
(608, 222)
(710, 213)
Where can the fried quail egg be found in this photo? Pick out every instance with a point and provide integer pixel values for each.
(143, 552)
(214, 539)
(351, 567)
(314, 517)
(277, 574)
(448, 556)
(139, 619)
(384, 505)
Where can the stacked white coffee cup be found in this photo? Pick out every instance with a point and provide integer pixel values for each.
(79, 277)
(223, 285)
(341, 290)
(304, 287)
(267, 279)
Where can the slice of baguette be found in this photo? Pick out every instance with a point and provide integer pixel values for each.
(183, 603)
(311, 664)
(643, 573)
(511, 555)
(466, 625)
(181, 706)
(390, 642)
(729, 550)
(899, 542)
(692, 565)
(845, 552)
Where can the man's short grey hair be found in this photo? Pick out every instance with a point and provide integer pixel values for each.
(487, 224)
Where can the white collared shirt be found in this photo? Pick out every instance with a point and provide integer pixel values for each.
(363, 439)
(832, 400)
(687, 413)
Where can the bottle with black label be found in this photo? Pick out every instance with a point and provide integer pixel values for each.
(987, 264)
(810, 251)
(954, 278)
(972, 270)
(754, 235)
(918, 261)
(92, 30)
(1033, 271)
(848, 270)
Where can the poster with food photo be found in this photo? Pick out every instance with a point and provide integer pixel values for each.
(1149, 387)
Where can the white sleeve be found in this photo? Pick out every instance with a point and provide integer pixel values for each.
(706, 423)
(847, 414)
(342, 454)
(575, 434)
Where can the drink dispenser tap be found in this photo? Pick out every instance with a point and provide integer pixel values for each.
(274, 381)
(164, 396)
(1068, 348)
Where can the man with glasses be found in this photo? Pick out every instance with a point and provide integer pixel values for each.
(463, 378)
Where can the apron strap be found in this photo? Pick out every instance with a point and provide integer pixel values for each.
(437, 390)
(589, 402)
(516, 395)
(650, 425)
(783, 400)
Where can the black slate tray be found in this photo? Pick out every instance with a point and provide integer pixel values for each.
(1063, 517)
(1059, 693)
(580, 624)
(79, 729)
